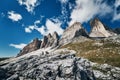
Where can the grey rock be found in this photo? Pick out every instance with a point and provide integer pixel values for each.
(56, 40)
(71, 32)
(50, 41)
(34, 45)
(48, 67)
(44, 42)
(99, 30)
(117, 30)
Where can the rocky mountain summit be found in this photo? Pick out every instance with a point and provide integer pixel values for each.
(75, 30)
(34, 45)
(48, 41)
(99, 30)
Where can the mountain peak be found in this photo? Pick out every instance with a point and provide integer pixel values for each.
(34, 45)
(73, 31)
(98, 29)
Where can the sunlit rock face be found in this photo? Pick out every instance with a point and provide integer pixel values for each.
(73, 31)
(34, 45)
(98, 29)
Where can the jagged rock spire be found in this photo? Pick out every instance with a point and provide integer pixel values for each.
(34, 45)
(73, 31)
(98, 29)
(44, 42)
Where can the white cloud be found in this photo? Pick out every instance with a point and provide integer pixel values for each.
(29, 29)
(116, 15)
(30, 4)
(87, 9)
(63, 1)
(50, 28)
(41, 30)
(14, 16)
(37, 22)
(18, 46)
(64, 10)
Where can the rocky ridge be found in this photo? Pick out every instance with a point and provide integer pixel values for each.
(34, 45)
(48, 41)
(75, 30)
(99, 30)
(72, 33)
(47, 65)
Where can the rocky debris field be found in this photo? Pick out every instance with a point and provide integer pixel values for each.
(47, 66)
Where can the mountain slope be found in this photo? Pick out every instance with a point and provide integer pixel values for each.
(46, 65)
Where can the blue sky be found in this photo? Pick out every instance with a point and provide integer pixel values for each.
(23, 20)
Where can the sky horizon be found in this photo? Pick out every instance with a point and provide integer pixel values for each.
(23, 20)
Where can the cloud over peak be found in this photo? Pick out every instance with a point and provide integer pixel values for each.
(49, 27)
(87, 9)
(14, 16)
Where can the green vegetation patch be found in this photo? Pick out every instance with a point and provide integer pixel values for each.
(97, 51)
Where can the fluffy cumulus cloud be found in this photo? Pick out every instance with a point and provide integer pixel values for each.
(49, 27)
(14, 16)
(30, 4)
(30, 28)
(18, 46)
(87, 9)
(117, 10)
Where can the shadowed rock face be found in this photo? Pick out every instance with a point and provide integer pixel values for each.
(48, 41)
(73, 31)
(56, 39)
(117, 30)
(31, 47)
(44, 42)
(99, 30)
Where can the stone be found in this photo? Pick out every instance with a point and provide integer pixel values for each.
(47, 67)
(44, 42)
(34, 45)
(117, 30)
(56, 40)
(98, 29)
(50, 41)
(73, 31)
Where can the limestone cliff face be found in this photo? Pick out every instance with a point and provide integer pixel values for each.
(98, 29)
(31, 47)
(53, 40)
(73, 31)
(48, 41)
(56, 39)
